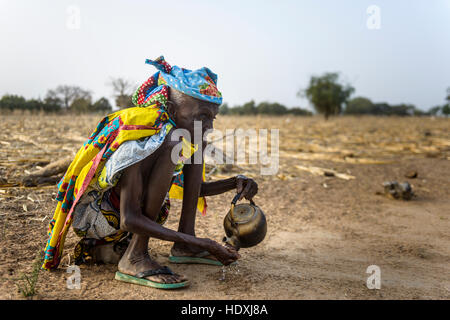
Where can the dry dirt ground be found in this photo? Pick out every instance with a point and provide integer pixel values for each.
(323, 231)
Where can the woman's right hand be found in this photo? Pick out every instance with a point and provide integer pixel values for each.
(225, 254)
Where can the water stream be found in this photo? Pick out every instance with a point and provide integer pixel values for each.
(230, 269)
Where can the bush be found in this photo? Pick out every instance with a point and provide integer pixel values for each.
(299, 112)
(11, 102)
(81, 105)
(53, 104)
(224, 109)
(359, 105)
(270, 108)
(446, 109)
(101, 105)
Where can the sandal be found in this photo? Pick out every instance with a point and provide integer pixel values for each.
(139, 278)
(198, 258)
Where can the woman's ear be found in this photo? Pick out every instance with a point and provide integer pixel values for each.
(171, 109)
(171, 106)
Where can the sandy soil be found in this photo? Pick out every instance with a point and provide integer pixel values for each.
(323, 232)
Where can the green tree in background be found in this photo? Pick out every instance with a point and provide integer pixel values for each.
(327, 94)
(297, 111)
(359, 105)
(249, 108)
(14, 102)
(52, 104)
(81, 105)
(35, 105)
(446, 108)
(381, 109)
(84, 105)
(434, 110)
(11, 102)
(246, 108)
(102, 105)
(402, 110)
(224, 109)
(271, 108)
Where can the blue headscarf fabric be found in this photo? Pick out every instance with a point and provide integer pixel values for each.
(200, 84)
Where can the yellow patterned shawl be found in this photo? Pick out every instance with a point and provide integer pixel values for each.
(111, 132)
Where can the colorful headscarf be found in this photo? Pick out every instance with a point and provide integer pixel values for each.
(200, 84)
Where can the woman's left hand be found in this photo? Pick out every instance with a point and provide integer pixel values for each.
(247, 186)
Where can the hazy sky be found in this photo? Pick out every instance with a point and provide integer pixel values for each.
(261, 50)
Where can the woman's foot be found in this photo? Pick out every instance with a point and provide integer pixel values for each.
(132, 264)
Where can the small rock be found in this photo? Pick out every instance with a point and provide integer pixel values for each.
(398, 190)
(349, 155)
(328, 174)
(411, 174)
(433, 154)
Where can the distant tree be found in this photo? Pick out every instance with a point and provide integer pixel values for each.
(224, 109)
(236, 110)
(446, 110)
(122, 92)
(102, 105)
(402, 110)
(271, 108)
(418, 112)
(434, 110)
(11, 102)
(446, 107)
(35, 105)
(359, 105)
(249, 108)
(246, 108)
(327, 94)
(299, 112)
(124, 101)
(67, 95)
(81, 105)
(52, 104)
(381, 109)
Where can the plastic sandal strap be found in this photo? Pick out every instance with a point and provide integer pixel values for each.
(147, 273)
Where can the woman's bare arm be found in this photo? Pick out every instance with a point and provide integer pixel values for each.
(247, 186)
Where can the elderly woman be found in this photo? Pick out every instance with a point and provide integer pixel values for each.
(116, 192)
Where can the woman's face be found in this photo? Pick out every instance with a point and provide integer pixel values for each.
(186, 110)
